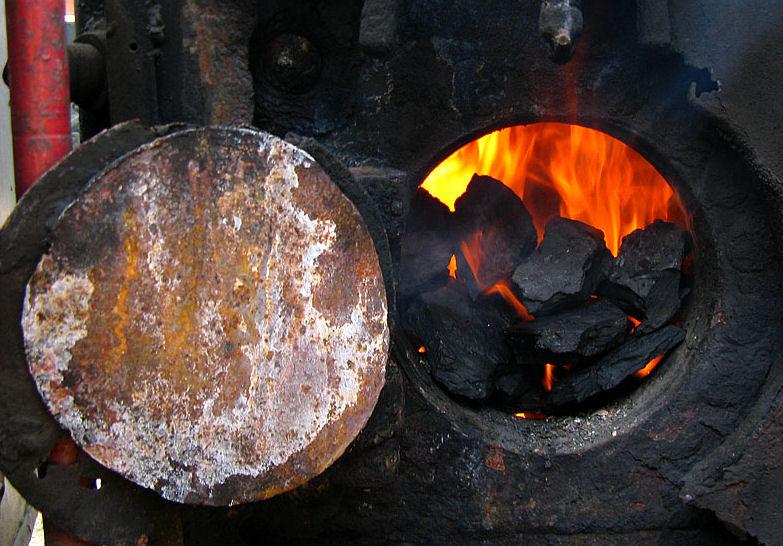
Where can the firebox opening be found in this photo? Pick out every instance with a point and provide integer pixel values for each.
(544, 270)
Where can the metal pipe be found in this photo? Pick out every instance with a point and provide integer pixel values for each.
(87, 74)
(40, 101)
(40, 120)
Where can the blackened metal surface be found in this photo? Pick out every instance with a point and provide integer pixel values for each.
(90, 15)
(93, 105)
(332, 28)
(210, 320)
(378, 31)
(155, 48)
(214, 57)
(390, 191)
(130, 60)
(87, 73)
(560, 23)
(740, 482)
(291, 63)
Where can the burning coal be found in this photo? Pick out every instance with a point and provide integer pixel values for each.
(566, 170)
(563, 238)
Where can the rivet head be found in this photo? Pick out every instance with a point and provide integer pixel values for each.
(292, 63)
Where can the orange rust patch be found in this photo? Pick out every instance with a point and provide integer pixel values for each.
(495, 459)
(121, 307)
(217, 307)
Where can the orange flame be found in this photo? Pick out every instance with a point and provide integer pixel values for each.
(452, 267)
(503, 288)
(530, 415)
(567, 170)
(635, 323)
(644, 372)
(422, 350)
(549, 377)
(473, 252)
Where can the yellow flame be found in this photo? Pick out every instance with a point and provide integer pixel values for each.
(567, 170)
(453, 267)
(530, 415)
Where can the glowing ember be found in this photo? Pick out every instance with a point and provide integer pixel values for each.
(423, 350)
(530, 415)
(549, 377)
(453, 267)
(635, 323)
(644, 372)
(564, 169)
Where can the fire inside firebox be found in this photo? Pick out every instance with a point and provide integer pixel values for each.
(544, 269)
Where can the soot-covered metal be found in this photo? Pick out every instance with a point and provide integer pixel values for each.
(387, 88)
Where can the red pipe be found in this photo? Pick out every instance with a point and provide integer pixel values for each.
(40, 99)
(41, 123)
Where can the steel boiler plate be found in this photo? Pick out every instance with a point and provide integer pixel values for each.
(210, 320)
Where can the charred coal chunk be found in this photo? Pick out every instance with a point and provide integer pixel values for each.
(645, 278)
(427, 245)
(659, 246)
(493, 226)
(615, 367)
(565, 270)
(465, 344)
(662, 301)
(585, 331)
(520, 387)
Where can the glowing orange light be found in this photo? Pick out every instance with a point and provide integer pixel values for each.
(422, 350)
(644, 372)
(472, 249)
(530, 415)
(549, 377)
(566, 170)
(635, 323)
(503, 288)
(453, 267)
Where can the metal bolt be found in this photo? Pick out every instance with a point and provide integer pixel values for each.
(560, 23)
(292, 63)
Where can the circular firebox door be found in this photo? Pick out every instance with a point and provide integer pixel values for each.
(210, 320)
